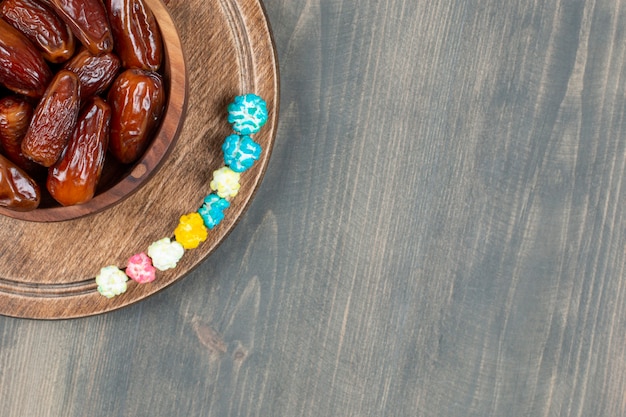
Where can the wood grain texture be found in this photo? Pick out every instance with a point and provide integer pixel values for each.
(439, 233)
(47, 270)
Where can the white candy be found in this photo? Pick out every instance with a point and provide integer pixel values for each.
(165, 254)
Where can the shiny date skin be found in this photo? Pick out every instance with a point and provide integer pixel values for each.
(137, 100)
(74, 178)
(87, 19)
(18, 191)
(41, 26)
(15, 116)
(22, 67)
(137, 36)
(53, 120)
(95, 72)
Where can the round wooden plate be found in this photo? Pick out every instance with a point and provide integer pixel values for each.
(47, 270)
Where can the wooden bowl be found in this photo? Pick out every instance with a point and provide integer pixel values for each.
(119, 181)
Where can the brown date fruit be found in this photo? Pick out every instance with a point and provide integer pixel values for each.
(136, 32)
(18, 191)
(53, 120)
(73, 179)
(41, 26)
(95, 72)
(15, 116)
(137, 100)
(88, 21)
(22, 67)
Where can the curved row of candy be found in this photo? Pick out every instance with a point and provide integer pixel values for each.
(247, 114)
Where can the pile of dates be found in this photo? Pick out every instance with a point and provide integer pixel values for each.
(80, 82)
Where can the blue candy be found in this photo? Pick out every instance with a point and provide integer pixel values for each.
(212, 211)
(240, 152)
(247, 114)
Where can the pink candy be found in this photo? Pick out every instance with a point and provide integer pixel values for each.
(140, 268)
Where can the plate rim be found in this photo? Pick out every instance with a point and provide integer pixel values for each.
(84, 301)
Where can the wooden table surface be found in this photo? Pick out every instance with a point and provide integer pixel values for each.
(439, 233)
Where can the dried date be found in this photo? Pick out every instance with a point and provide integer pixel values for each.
(87, 19)
(53, 120)
(18, 191)
(22, 67)
(137, 36)
(41, 26)
(95, 72)
(137, 100)
(73, 179)
(15, 116)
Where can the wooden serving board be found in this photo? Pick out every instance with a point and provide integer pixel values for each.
(47, 270)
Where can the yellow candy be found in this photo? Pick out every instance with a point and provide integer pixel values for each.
(191, 231)
(225, 182)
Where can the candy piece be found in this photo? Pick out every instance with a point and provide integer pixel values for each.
(247, 114)
(240, 152)
(212, 211)
(165, 254)
(190, 231)
(111, 281)
(225, 182)
(140, 269)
